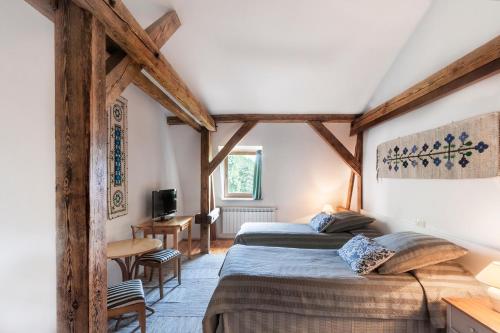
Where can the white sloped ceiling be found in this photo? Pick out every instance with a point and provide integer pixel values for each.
(284, 56)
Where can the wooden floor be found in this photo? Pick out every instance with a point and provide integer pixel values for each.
(219, 246)
(182, 308)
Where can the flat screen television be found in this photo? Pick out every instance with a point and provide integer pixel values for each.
(164, 203)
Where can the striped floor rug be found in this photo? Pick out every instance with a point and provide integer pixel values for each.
(182, 308)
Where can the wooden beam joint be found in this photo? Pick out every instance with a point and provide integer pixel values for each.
(123, 28)
(332, 140)
(232, 142)
(210, 218)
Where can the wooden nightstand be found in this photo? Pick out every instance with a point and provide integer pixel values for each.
(471, 315)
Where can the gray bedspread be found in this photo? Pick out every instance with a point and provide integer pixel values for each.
(295, 235)
(309, 282)
(316, 282)
(447, 279)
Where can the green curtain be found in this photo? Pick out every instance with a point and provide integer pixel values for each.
(257, 176)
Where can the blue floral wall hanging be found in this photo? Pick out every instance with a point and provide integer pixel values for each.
(464, 149)
(117, 159)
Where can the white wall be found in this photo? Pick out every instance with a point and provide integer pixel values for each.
(151, 166)
(300, 171)
(27, 170)
(465, 210)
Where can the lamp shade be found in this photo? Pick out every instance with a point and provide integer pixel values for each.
(490, 275)
(328, 209)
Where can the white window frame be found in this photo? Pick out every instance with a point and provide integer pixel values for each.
(238, 150)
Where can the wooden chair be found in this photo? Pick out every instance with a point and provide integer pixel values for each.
(158, 259)
(127, 297)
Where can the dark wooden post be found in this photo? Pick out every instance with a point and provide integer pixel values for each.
(205, 190)
(359, 156)
(80, 136)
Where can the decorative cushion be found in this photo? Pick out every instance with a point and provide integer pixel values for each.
(126, 293)
(414, 250)
(160, 255)
(345, 221)
(321, 221)
(364, 254)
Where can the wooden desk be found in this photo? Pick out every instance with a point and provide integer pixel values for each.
(123, 251)
(172, 227)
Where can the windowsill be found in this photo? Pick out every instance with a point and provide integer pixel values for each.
(237, 199)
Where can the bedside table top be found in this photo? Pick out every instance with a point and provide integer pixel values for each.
(478, 308)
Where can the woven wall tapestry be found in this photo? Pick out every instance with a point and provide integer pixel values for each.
(463, 149)
(117, 159)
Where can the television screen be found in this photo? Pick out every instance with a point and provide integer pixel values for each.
(164, 202)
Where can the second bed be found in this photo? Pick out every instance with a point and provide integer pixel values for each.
(296, 235)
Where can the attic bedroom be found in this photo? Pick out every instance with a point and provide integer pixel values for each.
(250, 166)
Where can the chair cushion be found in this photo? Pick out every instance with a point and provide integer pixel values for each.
(160, 256)
(126, 293)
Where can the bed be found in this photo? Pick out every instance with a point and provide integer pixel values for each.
(273, 289)
(295, 235)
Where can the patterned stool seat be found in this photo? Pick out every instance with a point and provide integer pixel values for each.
(160, 256)
(126, 293)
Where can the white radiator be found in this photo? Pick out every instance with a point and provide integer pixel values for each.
(234, 217)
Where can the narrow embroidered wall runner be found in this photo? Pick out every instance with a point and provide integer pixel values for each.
(117, 159)
(463, 149)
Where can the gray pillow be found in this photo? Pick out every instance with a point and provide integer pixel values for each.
(321, 221)
(345, 221)
(364, 254)
(414, 250)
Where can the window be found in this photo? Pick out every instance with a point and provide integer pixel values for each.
(239, 173)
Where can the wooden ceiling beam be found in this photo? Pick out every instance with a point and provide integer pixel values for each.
(478, 64)
(163, 28)
(46, 7)
(119, 78)
(123, 70)
(274, 118)
(233, 141)
(160, 32)
(143, 83)
(122, 27)
(332, 140)
(121, 75)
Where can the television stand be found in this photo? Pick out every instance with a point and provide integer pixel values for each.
(164, 219)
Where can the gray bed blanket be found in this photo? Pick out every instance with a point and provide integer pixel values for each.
(317, 282)
(309, 282)
(447, 279)
(295, 235)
